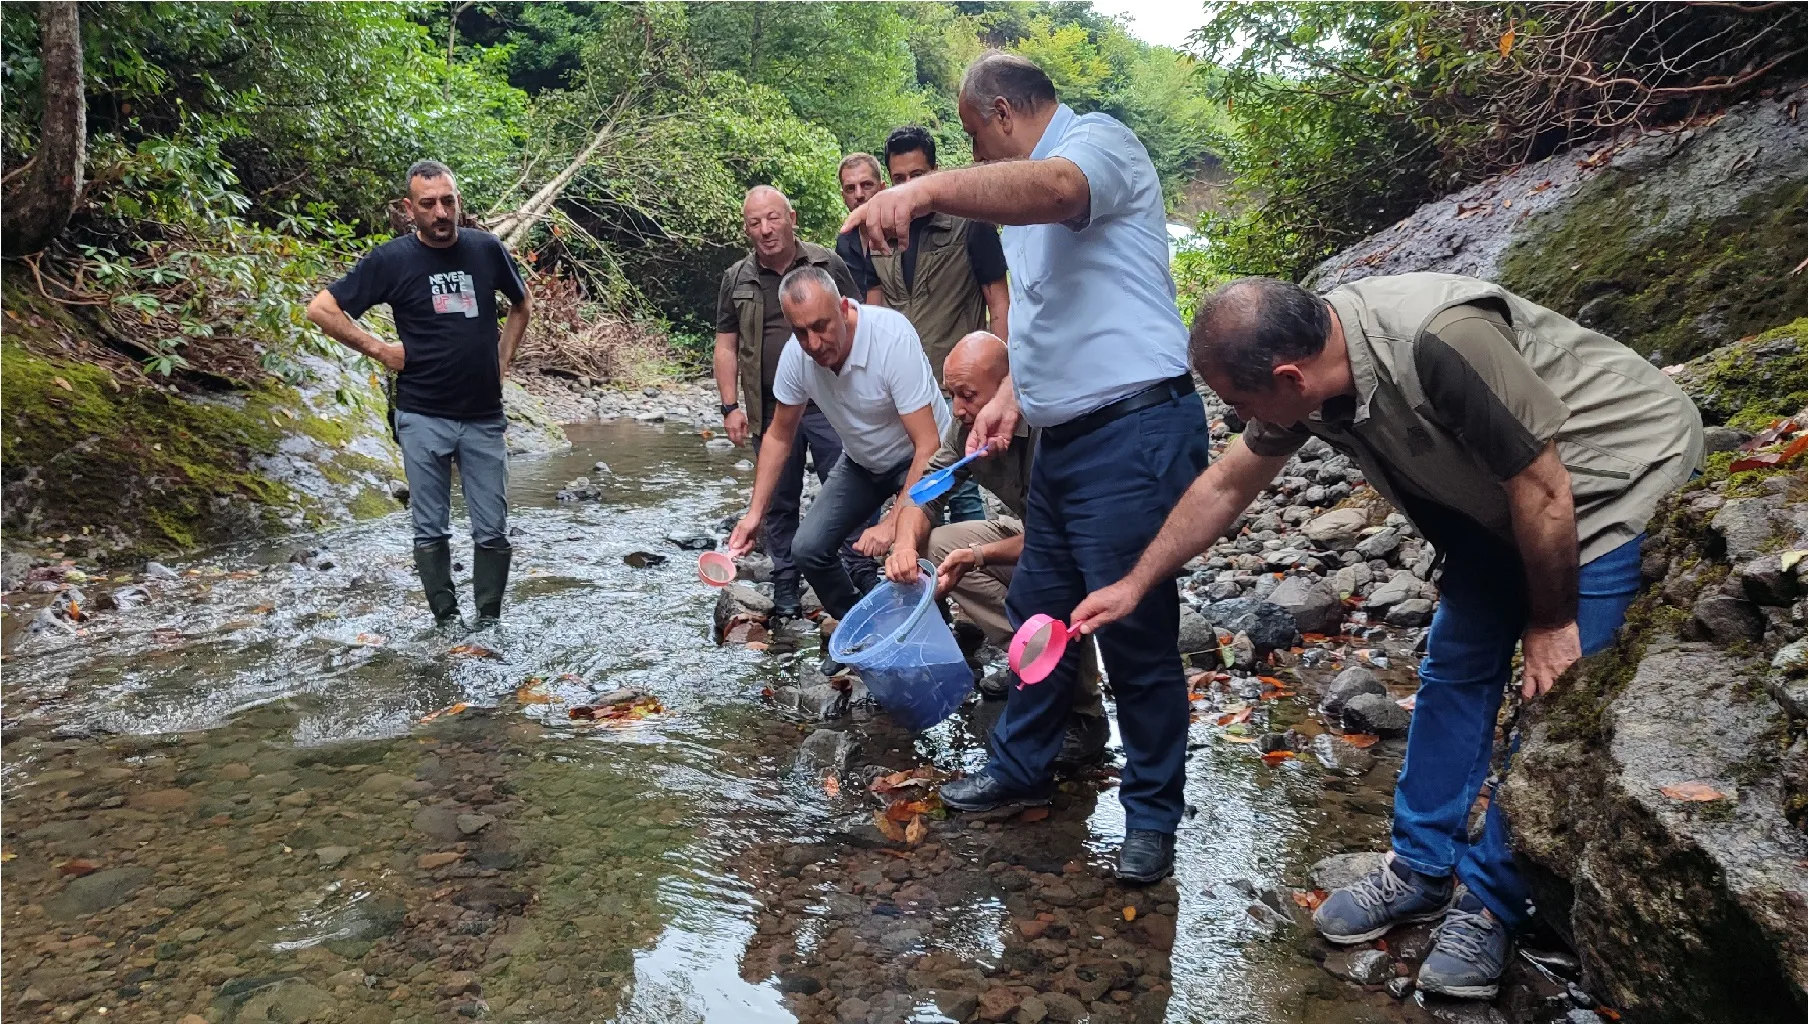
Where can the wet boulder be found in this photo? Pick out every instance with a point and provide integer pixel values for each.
(1651, 812)
(739, 603)
(1401, 586)
(1313, 604)
(1338, 529)
(1375, 713)
(1350, 682)
(1269, 626)
(1196, 633)
(1338, 757)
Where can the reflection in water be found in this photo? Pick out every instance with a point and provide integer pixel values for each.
(263, 827)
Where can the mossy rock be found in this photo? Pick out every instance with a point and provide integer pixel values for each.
(1753, 381)
(108, 466)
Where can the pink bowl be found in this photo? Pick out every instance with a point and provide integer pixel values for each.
(716, 568)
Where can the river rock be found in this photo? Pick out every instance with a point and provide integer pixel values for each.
(1364, 967)
(532, 427)
(1269, 626)
(739, 600)
(1766, 581)
(289, 1000)
(823, 702)
(1375, 713)
(1344, 869)
(1379, 544)
(1196, 634)
(1312, 603)
(1726, 619)
(1350, 682)
(579, 489)
(1414, 611)
(829, 749)
(159, 571)
(1338, 529)
(331, 856)
(1589, 769)
(692, 541)
(1350, 579)
(1401, 586)
(93, 893)
(1339, 757)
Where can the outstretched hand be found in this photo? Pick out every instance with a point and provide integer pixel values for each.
(1105, 606)
(741, 540)
(884, 220)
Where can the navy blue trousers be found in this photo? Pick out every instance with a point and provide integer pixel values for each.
(1094, 504)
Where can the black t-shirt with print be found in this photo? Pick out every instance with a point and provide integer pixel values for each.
(444, 303)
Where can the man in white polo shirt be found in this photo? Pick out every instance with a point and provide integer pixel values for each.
(1098, 364)
(865, 369)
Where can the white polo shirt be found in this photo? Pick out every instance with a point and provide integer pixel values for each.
(885, 378)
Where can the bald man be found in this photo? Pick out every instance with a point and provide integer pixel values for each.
(751, 332)
(975, 558)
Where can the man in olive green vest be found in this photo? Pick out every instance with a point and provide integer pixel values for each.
(949, 282)
(1531, 451)
(751, 331)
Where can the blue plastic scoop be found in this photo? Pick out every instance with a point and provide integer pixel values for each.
(938, 483)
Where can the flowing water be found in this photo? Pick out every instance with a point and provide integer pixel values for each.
(271, 794)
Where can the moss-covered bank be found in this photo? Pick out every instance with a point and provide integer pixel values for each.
(108, 465)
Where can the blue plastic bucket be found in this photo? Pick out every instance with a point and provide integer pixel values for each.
(906, 654)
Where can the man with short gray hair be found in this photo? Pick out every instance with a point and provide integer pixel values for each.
(864, 368)
(1530, 450)
(440, 282)
(1098, 364)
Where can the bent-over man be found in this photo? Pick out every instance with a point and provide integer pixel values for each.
(975, 558)
(864, 368)
(1531, 451)
(440, 282)
(751, 332)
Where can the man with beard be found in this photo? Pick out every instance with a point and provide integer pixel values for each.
(440, 282)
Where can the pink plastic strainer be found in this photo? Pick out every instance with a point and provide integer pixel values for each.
(716, 568)
(1036, 648)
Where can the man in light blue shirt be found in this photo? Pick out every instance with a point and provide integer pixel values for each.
(1098, 362)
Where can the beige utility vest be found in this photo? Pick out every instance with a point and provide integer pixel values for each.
(1631, 436)
(750, 306)
(943, 302)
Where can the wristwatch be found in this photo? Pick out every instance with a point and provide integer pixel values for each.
(979, 555)
(729, 407)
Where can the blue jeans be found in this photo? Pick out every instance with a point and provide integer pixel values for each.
(430, 445)
(965, 503)
(1094, 504)
(1481, 615)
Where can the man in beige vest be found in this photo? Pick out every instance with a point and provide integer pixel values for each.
(1530, 451)
(950, 281)
(751, 332)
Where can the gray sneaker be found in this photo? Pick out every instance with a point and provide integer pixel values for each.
(1468, 953)
(1382, 899)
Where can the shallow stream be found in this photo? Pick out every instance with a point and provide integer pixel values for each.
(270, 794)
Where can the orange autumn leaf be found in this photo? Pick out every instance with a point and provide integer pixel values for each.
(904, 810)
(1129, 913)
(1361, 740)
(1506, 42)
(1033, 814)
(1313, 638)
(1276, 694)
(1274, 757)
(831, 786)
(889, 828)
(916, 831)
(473, 651)
(1271, 681)
(1609, 1013)
(1693, 792)
(1233, 717)
(1310, 899)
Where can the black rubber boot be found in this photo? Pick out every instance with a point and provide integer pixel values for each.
(434, 562)
(489, 579)
(787, 596)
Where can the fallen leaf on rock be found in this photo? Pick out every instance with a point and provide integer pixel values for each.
(78, 867)
(61, 383)
(1609, 1013)
(263, 609)
(832, 786)
(916, 831)
(367, 640)
(767, 692)
(1361, 740)
(1276, 756)
(473, 651)
(1271, 682)
(630, 711)
(449, 710)
(1310, 899)
(1238, 739)
(887, 827)
(1692, 792)
(531, 692)
(1233, 717)
(1033, 814)
(1129, 913)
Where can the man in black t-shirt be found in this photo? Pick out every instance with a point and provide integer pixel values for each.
(440, 283)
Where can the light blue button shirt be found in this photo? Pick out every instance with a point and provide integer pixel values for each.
(1092, 300)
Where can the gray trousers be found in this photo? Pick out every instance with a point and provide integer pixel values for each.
(429, 447)
(817, 435)
(850, 500)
